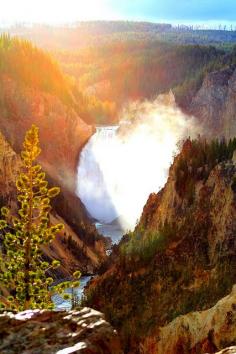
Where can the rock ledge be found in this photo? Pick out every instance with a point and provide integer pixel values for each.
(48, 332)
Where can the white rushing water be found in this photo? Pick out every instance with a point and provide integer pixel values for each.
(120, 167)
(96, 186)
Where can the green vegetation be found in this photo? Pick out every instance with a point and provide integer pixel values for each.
(197, 159)
(150, 67)
(143, 246)
(91, 33)
(23, 271)
(93, 85)
(153, 59)
(143, 296)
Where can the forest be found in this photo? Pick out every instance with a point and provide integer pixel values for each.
(149, 68)
(109, 63)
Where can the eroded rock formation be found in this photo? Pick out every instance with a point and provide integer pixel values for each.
(62, 132)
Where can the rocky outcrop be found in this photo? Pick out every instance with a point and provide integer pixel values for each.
(201, 332)
(215, 103)
(37, 332)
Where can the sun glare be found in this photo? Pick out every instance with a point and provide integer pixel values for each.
(54, 11)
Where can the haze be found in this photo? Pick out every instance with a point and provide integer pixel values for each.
(67, 11)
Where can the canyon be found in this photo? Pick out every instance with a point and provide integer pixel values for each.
(192, 269)
(179, 258)
(168, 285)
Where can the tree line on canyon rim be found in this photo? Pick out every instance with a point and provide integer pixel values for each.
(150, 68)
(93, 86)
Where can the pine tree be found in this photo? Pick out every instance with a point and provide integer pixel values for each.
(23, 270)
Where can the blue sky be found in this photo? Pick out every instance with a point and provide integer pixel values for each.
(191, 10)
(62, 11)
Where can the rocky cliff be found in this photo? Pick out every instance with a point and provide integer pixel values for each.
(37, 332)
(215, 103)
(62, 135)
(62, 132)
(182, 255)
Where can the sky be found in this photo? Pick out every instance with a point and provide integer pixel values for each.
(66, 11)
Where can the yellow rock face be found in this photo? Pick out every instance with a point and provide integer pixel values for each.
(201, 332)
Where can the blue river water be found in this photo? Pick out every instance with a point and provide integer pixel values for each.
(115, 233)
(61, 304)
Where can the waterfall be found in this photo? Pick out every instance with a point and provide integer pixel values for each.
(94, 170)
(120, 168)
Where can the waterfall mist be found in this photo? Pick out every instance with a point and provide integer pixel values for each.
(121, 166)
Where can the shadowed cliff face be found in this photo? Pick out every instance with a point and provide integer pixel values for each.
(215, 103)
(186, 261)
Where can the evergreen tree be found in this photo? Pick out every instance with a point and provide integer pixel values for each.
(23, 270)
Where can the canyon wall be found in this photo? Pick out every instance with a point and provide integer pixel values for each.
(181, 257)
(201, 332)
(215, 103)
(33, 90)
(62, 132)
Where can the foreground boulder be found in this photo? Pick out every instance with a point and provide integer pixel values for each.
(48, 332)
